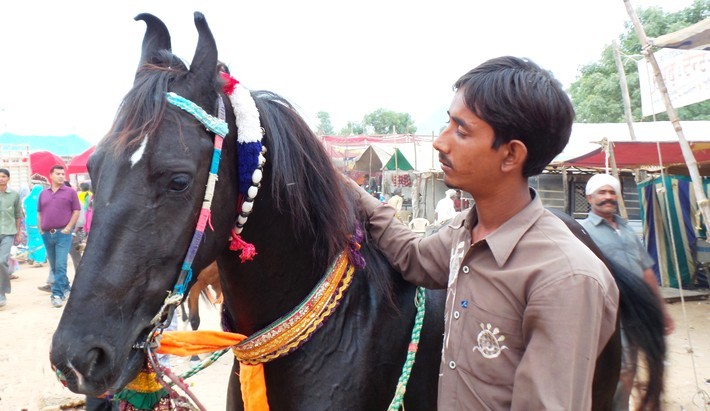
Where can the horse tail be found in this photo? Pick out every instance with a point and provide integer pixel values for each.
(642, 323)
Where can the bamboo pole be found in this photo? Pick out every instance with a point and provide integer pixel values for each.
(701, 198)
(624, 90)
(609, 148)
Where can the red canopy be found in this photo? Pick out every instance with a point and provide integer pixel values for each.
(41, 162)
(77, 165)
(637, 154)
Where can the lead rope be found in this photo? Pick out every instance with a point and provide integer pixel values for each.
(420, 302)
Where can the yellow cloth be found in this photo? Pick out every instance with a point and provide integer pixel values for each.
(251, 377)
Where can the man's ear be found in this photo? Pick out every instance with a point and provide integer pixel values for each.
(516, 153)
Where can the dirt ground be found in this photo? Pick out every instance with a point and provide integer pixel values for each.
(28, 383)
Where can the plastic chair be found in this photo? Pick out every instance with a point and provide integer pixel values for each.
(419, 225)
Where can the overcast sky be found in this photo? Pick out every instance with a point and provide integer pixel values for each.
(66, 65)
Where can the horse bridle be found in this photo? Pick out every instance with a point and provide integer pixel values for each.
(219, 127)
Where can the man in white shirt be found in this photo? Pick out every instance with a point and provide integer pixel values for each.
(445, 207)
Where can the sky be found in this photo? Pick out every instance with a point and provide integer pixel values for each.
(66, 65)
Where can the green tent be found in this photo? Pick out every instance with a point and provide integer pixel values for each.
(398, 162)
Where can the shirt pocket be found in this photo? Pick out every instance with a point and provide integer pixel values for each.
(491, 346)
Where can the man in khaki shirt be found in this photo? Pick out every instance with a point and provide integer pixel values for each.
(10, 232)
(529, 307)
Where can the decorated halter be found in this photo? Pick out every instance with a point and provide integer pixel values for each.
(251, 162)
(281, 337)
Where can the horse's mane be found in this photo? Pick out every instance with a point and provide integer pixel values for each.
(306, 184)
(143, 108)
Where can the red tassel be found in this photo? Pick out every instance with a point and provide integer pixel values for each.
(230, 83)
(248, 250)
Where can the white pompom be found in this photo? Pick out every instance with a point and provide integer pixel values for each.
(253, 191)
(256, 177)
(238, 230)
(262, 160)
(247, 206)
(241, 219)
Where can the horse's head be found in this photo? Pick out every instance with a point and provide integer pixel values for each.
(150, 175)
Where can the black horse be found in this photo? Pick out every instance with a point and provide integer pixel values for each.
(150, 174)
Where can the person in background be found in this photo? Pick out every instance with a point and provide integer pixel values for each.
(58, 211)
(457, 201)
(396, 202)
(445, 210)
(619, 243)
(529, 307)
(10, 230)
(35, 246)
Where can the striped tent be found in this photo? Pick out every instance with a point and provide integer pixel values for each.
(668, 206)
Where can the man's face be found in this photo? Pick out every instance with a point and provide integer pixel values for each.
(465, 150)
(57, 176)
(4, 179)
(603, 201)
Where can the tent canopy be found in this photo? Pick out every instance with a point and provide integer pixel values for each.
(695, 37)
(77, 165)
(41, 162)
(398, 162)
(639, 154)
(371, 160)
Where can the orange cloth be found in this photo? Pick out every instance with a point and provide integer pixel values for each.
(251, 377)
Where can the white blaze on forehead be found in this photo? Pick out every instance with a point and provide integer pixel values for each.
(136, 157)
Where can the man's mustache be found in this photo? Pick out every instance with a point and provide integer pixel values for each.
(605, 202)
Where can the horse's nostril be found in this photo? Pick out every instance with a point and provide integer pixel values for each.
(96, 357)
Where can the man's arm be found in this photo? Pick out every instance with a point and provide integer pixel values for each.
(422, 261)
(650, 278)
(39, 222)
(72, 221)
(18, 220)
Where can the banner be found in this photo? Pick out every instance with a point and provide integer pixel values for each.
(686, 74)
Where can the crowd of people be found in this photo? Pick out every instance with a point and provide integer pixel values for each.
(49, 221)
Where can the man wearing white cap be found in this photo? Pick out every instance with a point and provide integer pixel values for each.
(619, 243)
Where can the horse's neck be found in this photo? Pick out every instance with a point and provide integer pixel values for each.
(279, 278)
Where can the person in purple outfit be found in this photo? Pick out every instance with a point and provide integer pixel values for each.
(58, 210)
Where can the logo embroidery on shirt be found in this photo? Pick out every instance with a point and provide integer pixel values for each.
(489, 342)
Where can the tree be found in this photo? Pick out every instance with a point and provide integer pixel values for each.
(596, 95)
(382, 121)
(325, 127)
(352, 128)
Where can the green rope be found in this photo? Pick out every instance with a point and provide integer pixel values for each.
(203, 364)
(419, 301)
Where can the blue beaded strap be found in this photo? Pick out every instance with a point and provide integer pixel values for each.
(213, 124)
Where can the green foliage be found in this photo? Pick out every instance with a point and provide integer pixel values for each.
(382, 121)
(325, 127)
(596, 95)
(352, 128)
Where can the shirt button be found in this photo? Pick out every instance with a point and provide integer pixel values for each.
(452, 365)
(456, 315)
(465, 269)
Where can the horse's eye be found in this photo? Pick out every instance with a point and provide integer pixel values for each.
(179, 183)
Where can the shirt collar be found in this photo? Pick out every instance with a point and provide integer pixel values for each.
(502, 241)
(597, 219)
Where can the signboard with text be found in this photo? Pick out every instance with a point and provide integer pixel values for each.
(686, 74)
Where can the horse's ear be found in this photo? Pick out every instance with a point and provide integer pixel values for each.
(156, 37)
(204, 63)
